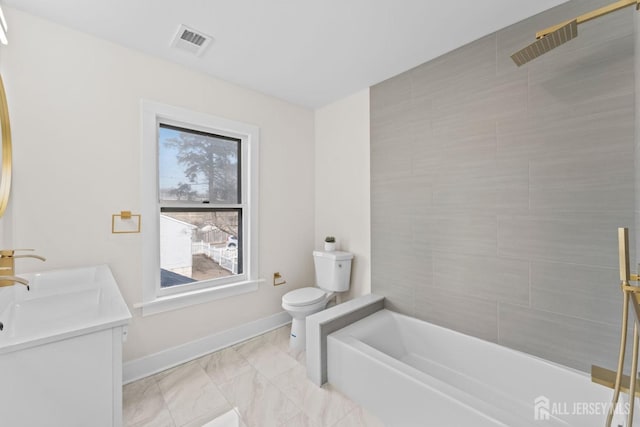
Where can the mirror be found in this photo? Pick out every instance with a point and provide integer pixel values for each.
(5, 174)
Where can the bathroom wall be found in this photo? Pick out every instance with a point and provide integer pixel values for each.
(75, 110)
(342, 183)
(497, 191)
(637, 131)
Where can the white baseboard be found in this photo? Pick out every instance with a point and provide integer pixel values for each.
(154, 363)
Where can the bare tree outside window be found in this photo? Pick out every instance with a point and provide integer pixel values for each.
(208, 162)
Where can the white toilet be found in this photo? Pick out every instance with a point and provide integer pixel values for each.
(333, 273)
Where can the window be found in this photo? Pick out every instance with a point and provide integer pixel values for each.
(200, 195)
(200, 207)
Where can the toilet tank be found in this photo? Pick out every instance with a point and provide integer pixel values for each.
(333, 270)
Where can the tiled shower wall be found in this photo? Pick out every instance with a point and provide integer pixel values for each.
(497, 191)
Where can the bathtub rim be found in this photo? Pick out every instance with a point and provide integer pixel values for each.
(555, 365)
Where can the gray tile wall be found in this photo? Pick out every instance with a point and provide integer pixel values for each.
(497, 191)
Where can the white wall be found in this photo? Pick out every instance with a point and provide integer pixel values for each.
(75, 109)
(342, 183)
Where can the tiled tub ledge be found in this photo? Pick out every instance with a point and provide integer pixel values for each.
(321, 324)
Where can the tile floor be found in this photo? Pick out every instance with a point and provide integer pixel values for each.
(257, 383)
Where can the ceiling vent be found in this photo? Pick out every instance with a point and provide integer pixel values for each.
(191, 40)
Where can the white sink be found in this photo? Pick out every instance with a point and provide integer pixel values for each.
(60, 304)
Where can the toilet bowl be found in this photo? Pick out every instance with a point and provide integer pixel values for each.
(333, 271)
(301, 303)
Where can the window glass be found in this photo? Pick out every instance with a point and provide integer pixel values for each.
(198, 166)
(199, 244)
(194, 169)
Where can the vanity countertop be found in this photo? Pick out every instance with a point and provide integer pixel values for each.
(61, 304)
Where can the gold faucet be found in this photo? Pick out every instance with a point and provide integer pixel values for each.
(7, 267)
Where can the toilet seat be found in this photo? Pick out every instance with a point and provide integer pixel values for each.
(304, 296)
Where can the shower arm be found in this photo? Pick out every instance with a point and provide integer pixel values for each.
(590, 15)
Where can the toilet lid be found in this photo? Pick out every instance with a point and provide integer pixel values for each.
(304, 296)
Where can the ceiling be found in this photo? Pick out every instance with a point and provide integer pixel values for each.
(306, 52)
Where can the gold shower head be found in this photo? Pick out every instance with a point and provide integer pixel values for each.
(553, 37)
(546, 43)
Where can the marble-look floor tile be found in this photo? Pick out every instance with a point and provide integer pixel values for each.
(189, 394)
(171, 371)
(162, 418)
(224, 389)
(324, 405)
(359, 417)
(266, 356)
(259, 402)
(300, 420)
(142, 402)
(299, 355)
(327, 405)
(224, 365)
(228, 419)
(280, 338)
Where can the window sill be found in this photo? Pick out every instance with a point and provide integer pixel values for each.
(186, 299)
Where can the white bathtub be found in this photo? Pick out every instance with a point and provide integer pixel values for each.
(412, 373)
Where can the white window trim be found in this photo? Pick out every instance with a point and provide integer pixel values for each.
(153, 300)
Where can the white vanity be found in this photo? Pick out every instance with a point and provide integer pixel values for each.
(61, 350)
